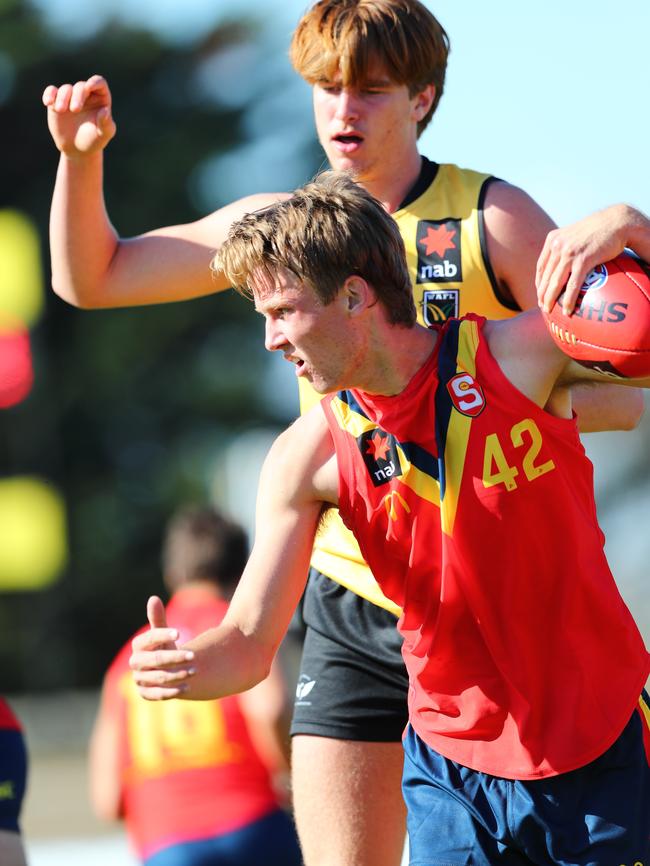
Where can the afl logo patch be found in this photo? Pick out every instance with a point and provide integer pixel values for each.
(438, 305)
(466, 395)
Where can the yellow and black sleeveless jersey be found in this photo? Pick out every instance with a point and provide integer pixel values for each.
(441, 222)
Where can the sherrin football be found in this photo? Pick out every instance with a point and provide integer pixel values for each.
(609, 329)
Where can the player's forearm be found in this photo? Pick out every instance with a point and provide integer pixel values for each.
(226, 662)
(93, 267)
(607, 407)
(638, 231)
(82, 240)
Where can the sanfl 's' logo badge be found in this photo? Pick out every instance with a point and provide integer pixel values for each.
(466, 395)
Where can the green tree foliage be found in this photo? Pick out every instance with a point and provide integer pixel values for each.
(129, 407)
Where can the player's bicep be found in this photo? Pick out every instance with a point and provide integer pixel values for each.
(515, 229)
(174, 263)
(289, 505)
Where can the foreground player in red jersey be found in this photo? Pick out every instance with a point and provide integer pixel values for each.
(194, 782)
(453, 456)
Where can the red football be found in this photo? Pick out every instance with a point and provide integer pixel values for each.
(609, 329)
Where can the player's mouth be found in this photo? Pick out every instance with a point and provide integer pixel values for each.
(347, 142)
(298, 363)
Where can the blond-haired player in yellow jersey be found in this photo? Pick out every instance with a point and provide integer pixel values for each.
(377, 68)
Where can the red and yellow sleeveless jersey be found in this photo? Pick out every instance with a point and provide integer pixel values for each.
(475, 509)
(450, 272)
(189, 768)
(8, 720)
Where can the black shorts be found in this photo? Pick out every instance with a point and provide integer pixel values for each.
(353, 684)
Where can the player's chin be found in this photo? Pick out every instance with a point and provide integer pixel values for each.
(346, 162)
(323, 386)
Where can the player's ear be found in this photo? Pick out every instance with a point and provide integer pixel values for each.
(423, 101)
(357, 294)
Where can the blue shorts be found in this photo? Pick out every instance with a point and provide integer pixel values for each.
(13, 777)
(598, 815)
(271, 841)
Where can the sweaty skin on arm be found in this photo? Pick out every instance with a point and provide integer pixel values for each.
(517, 229)
(91, 265)
(298, 477)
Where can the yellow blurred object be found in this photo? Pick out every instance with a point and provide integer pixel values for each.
(21, 278)
(33, 534)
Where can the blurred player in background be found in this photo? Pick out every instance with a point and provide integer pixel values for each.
(196, 783)
(377, 68)
(13, 780)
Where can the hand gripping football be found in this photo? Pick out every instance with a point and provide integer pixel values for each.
(609, 330)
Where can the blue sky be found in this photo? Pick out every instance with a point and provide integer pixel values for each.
(552, 96)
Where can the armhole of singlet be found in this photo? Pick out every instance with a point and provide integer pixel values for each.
(508, 303)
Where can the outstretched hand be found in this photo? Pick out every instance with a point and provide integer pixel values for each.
(160, 669)
(569, 253)
(79, 116)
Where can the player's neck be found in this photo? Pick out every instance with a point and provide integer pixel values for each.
(205, 587)
(396, 357)
(390, 182)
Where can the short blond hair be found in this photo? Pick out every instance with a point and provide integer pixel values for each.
(328, 230)
(352, 37)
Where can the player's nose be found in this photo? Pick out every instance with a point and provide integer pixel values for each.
(274, 339)
(347, 108)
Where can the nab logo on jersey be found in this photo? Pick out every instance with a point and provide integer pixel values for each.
(438, 246)
(379, 452)
(466, 395)
(438, 305)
